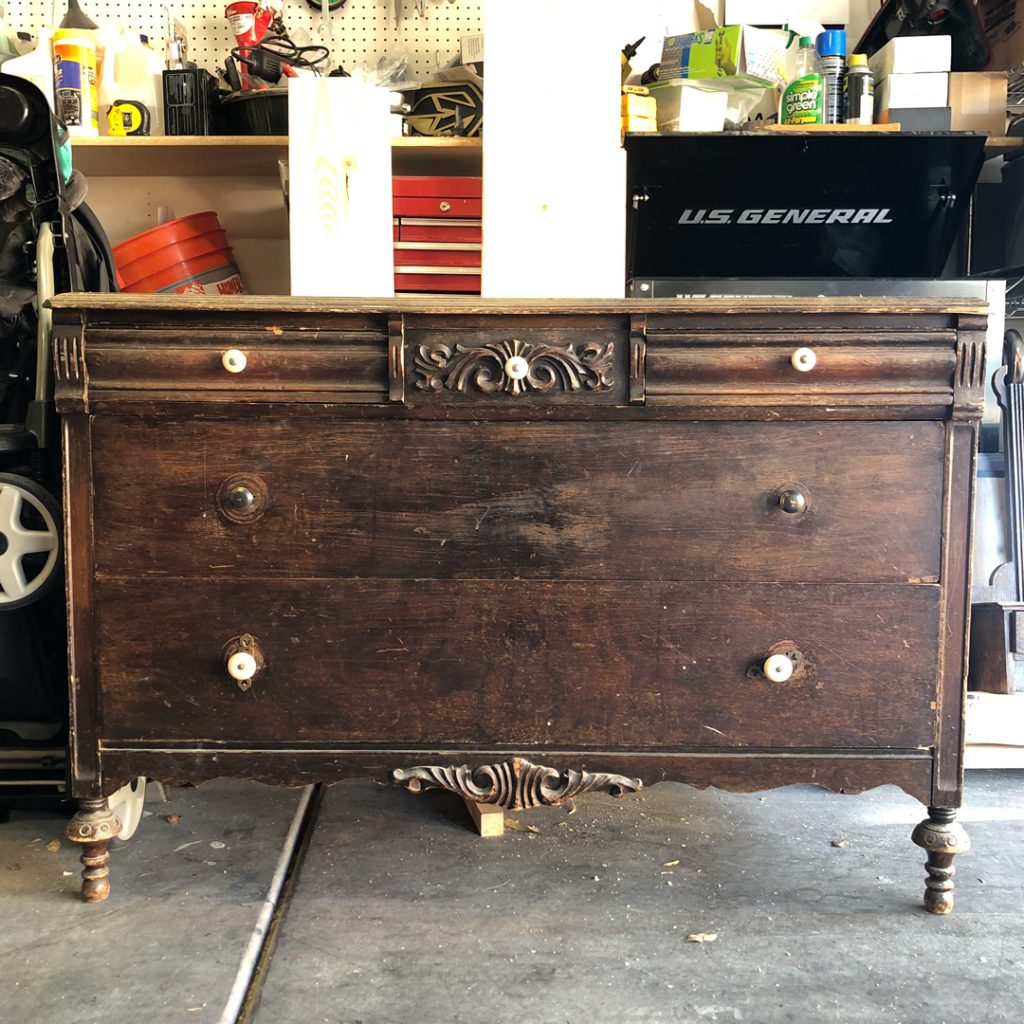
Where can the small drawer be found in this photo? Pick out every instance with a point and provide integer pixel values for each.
(523, 665)
(348, 368)
(842, 502)
(838, 370)
(449, 206)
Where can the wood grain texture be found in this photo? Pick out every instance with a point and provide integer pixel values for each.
(570, 665)
(531, 500)
(961, 456)
(739, 772)
(857, 312)
(588, 577)
(83, 685)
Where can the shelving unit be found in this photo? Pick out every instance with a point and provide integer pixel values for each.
(252, 155)
(236, 176)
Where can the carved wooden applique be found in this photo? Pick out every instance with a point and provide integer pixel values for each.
(515, 784)
(515, 367)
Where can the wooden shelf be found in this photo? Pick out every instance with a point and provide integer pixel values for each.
(1002, 145)
(250, 155)
(257, 155)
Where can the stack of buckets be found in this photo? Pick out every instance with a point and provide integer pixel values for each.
(187, 256)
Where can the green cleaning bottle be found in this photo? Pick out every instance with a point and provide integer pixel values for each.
(803, 101)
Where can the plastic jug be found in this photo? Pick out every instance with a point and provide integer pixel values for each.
(139, 76)
(74, 80)
(37, 66)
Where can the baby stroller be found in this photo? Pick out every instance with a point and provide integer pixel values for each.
(50, 242)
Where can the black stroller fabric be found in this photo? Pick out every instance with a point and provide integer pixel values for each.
(18, 315)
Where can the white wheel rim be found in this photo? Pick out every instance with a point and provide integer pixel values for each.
(20, 541)
(127, 804)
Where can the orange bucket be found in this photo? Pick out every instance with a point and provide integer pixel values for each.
(188, 256)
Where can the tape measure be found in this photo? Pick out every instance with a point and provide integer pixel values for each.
(128, 117)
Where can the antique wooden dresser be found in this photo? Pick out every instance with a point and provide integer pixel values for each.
(519, 550)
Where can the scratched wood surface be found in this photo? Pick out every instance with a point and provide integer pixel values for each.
(530, 500)
(522, 664)
(616, 570)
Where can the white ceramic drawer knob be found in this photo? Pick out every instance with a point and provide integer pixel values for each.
(444, 206)
(803, 359)
(242, 666)
(516, 368)
(778, 668)
(234, 360)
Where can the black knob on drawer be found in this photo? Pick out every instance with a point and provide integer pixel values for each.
(243, 497)
(240, 498)
(793, 500)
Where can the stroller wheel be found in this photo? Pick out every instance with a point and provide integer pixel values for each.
(30, 541)
(127, 804)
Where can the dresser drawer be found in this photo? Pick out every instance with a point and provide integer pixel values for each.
(835, 369)
(520, 664)
(279, 365)
(393, 499)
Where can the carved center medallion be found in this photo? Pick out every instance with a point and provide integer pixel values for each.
(515, 367)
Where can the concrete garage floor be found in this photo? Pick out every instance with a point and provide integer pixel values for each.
(400, 914)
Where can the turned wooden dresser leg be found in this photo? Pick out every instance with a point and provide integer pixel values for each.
(94, 826)
(942, 837)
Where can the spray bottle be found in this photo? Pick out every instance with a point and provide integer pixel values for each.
(803, 100)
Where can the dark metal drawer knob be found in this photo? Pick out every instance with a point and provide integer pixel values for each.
(793, 500)
(240, 498)
(243, 497)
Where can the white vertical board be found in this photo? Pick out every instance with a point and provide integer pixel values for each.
(339, 152)
(554, 170)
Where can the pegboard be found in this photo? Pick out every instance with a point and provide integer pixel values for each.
(363, 31)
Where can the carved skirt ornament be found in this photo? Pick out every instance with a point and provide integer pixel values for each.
(515, 367)
(514, 785)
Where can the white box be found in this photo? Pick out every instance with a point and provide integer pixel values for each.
(928, 90)
(912, 55)
(779, 12)
(683, 106)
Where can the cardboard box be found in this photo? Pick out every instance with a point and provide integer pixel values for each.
(683, 106)
(912, 55)
(917, 119)
(978, 101)
(735, 54)
(928, 90)
(1004, 26)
